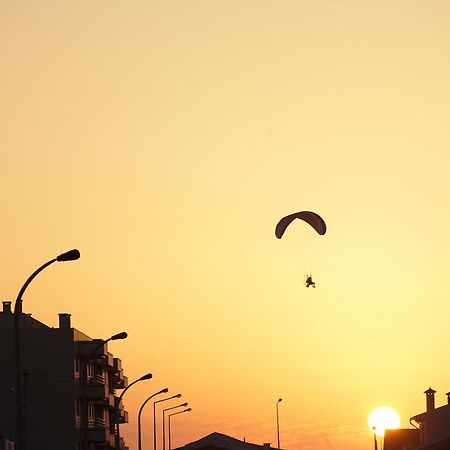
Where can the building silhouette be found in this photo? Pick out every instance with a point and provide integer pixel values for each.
(431, 432)
(219, 441)
(68, 386)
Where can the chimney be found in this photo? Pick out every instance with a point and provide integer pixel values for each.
(430, 399)
(266, 445)
(7, 307)
(64, 320)
(448, 397)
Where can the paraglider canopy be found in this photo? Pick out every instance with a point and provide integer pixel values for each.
(309, 217)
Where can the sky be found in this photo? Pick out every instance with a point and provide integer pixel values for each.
(165, 139)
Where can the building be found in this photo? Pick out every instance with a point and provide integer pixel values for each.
(402, 439)
(218, 441)
(431, 432)
(434, 423)
(68, 383)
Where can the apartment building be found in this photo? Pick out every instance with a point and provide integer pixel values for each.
(68, 384)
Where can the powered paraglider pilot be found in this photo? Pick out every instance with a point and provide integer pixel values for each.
(309, 282)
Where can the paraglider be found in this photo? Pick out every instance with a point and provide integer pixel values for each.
(311, 218)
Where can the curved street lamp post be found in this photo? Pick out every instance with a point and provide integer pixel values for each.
(174, 414)
(117, 408)
(71, 255)
(164, 422)
(162, 391)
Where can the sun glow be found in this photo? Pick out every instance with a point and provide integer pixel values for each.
(383, 418)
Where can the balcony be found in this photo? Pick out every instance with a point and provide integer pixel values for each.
(106, 360)
(96, 423)
(98, 431)
(119, 381)
(98, 436)
(97, 379)
(117, 365)
(94, 389)
(109, 401)
(123, 416)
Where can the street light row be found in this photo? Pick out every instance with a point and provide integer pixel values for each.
(162, 391)
(148, 376)
(73, 255)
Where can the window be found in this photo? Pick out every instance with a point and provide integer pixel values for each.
(77, 366)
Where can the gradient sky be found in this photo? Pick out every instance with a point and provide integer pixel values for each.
(165, 139)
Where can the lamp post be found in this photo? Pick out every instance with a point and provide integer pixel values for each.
(164, 423)
(71, 255)
(375, 443)
(162, 391)
(84, 380)
(154, 416)
(117, 409)
(174, 414)
(115, 337)
(278, 424)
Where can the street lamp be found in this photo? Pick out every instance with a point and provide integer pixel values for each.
(116, 412)
(154, 416)
(162, 391)
(164, 423)
(114, 337)
(278, 424)
(174, 414)
(71, 255)
(84, 380)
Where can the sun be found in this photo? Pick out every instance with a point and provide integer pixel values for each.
(383, 418)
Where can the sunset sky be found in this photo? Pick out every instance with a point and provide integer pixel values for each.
(165, 138)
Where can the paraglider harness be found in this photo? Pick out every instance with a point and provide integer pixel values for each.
(309, 282)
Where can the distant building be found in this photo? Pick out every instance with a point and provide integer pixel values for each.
(432, 431)
(401, 439)
(59, 410)
(218, 441)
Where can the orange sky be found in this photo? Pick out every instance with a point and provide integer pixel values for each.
(165, 139)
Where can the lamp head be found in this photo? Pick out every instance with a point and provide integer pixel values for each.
(71, 255)
(163, 391)
(177, 396)
(147, 376)
(117, 336)
(184, 404)
(189, 409)
(279, 400)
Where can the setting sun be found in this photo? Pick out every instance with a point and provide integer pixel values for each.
(382, 419)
